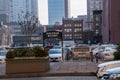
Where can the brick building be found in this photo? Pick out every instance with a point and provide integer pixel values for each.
(73, 30)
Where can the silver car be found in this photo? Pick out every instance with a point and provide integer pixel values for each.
(111, 74)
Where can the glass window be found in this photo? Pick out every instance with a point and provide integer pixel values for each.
(75, 30)
(65, 25)
(80, 25)
(97, 18)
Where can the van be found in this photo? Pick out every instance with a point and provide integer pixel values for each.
(81, 51)
(105, 66)
(111, 74)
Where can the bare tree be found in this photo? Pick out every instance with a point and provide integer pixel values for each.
(28, 23)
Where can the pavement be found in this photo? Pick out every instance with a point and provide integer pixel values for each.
(63, 68)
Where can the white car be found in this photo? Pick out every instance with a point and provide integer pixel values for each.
(3, 55)
(97, 50)
(55, 54)
(108, 53)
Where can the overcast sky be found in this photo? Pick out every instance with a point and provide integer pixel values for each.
(78, 7)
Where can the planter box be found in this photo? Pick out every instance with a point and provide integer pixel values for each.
(27, 65)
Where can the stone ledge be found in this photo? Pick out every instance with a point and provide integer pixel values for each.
(45, 75)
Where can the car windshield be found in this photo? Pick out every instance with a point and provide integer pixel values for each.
(56, 47)
(54, 52)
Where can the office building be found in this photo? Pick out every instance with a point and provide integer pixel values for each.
(58, 9)
(111, 21)
(67, 9)
(91, 6)
(4, 10)
(19, 8)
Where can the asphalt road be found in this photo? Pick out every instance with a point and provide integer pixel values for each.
(56, 78)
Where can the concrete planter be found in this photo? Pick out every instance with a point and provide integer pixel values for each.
(27, 65)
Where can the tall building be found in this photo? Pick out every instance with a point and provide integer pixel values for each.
(56, 11)
(91, 6)
(4, 8)
(67, 9)
(111, 21)
(21, 7)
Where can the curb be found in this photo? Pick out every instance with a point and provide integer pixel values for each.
(46, 75)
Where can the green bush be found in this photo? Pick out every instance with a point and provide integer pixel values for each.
(117, 54)
(29, 53)
(39, 51)
(10, 55)
(36, 51)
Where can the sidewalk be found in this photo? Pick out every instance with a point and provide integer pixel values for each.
(65, 68)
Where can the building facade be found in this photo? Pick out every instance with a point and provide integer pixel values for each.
(18, 8)
(4, 10)
(73, 30)
(91, 6)
(85, 24)
(111, 21)
(97, 26)
(58, 9)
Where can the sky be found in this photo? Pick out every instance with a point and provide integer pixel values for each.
(78, 7)
(43, 11)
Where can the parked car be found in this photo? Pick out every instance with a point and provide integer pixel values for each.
(108, 53)
(3, 53)
(102, 47)
(57, 47)
(93, 46)
(109, 45)
(55, 54)
(105, 66)
(111, 74)
(97, 50)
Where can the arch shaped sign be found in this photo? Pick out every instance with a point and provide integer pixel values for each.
(52, 34)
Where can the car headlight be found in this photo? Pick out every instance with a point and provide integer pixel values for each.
(114, 76)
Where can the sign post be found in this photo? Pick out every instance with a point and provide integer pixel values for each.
(53, 34)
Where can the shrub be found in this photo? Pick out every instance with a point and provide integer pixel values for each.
(39, 52)
(117, 54)
(27, 52)
(10, 54)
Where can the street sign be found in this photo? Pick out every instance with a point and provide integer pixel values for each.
(52, 34)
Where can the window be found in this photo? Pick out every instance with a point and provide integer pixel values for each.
(97, 18)
(64, 25)
(75, 25)
(80, 25)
